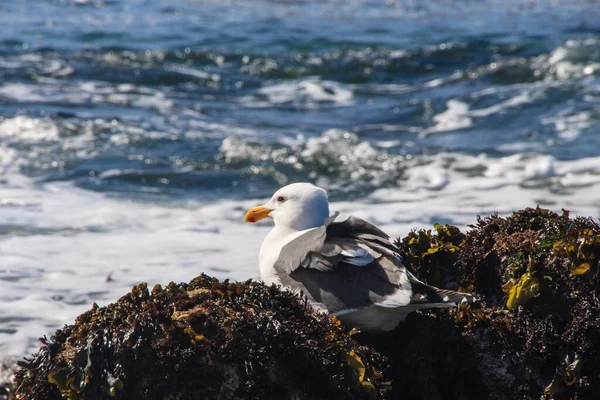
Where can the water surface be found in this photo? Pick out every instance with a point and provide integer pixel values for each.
(134, 134)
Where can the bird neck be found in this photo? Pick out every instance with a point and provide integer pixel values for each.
(295, 222)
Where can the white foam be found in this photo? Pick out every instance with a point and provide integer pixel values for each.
(196, 73)
(459, 115)
(398, 54)
(156, 100)
(569, 127)
(308, 92)
(455, 117)
(46, 91)
(355, 161)
(540, 167)
(574, 181)
(574, 59)
(581, 165)
(21, 92)
(444, 80)
(57, 68)
(28, 129)
(342, 153)
(49, 277)
(520, 99)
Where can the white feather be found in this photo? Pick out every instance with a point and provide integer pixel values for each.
(300, 239)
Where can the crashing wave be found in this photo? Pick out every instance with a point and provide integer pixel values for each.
(335, 159)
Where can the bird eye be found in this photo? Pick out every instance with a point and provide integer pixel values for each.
(280, 199)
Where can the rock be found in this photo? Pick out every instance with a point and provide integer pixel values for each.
(6, 385)
(534, 334)
(203, 340)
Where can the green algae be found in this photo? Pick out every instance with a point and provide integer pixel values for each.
(527, 288)
(432, 252)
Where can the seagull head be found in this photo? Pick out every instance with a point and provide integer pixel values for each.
(298, 206)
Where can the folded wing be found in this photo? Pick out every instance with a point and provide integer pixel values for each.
(343, 267)
(355, 267)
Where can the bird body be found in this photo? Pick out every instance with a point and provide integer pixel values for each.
(349, 269)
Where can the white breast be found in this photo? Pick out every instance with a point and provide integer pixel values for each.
(269, 253)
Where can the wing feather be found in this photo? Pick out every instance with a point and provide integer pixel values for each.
(296, 251)
(425, 295)
(345, 267)
(355, 267)
(357, 241)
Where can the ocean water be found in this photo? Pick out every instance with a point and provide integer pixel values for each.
(134, 134)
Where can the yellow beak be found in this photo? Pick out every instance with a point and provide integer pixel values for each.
(256, 214)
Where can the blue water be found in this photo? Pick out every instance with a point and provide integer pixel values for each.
(160, 84)
(135, 134)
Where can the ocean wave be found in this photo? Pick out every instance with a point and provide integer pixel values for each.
(456, 172)
(568, 127)
(337, 159)
(308, 79)
(24, 129)
(54, 93)
(306, 93)
(458, 114)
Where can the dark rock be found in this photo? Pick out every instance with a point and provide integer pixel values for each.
(203, 340)
(534, 334)
(6, 386)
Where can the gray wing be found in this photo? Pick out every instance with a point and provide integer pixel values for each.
(356, 267)
(353, 241)
(294, 252)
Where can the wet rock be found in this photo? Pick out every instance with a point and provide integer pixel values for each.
(534, 334)
(206, 339)
(6, 385)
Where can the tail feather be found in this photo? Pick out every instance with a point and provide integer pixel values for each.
(425, 295)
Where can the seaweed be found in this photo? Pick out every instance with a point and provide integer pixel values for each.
(432, 254)
(205, 339)
(534, 334)
(536, 331)
(7, 387)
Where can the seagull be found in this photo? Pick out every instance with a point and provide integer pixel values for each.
(349, 269)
